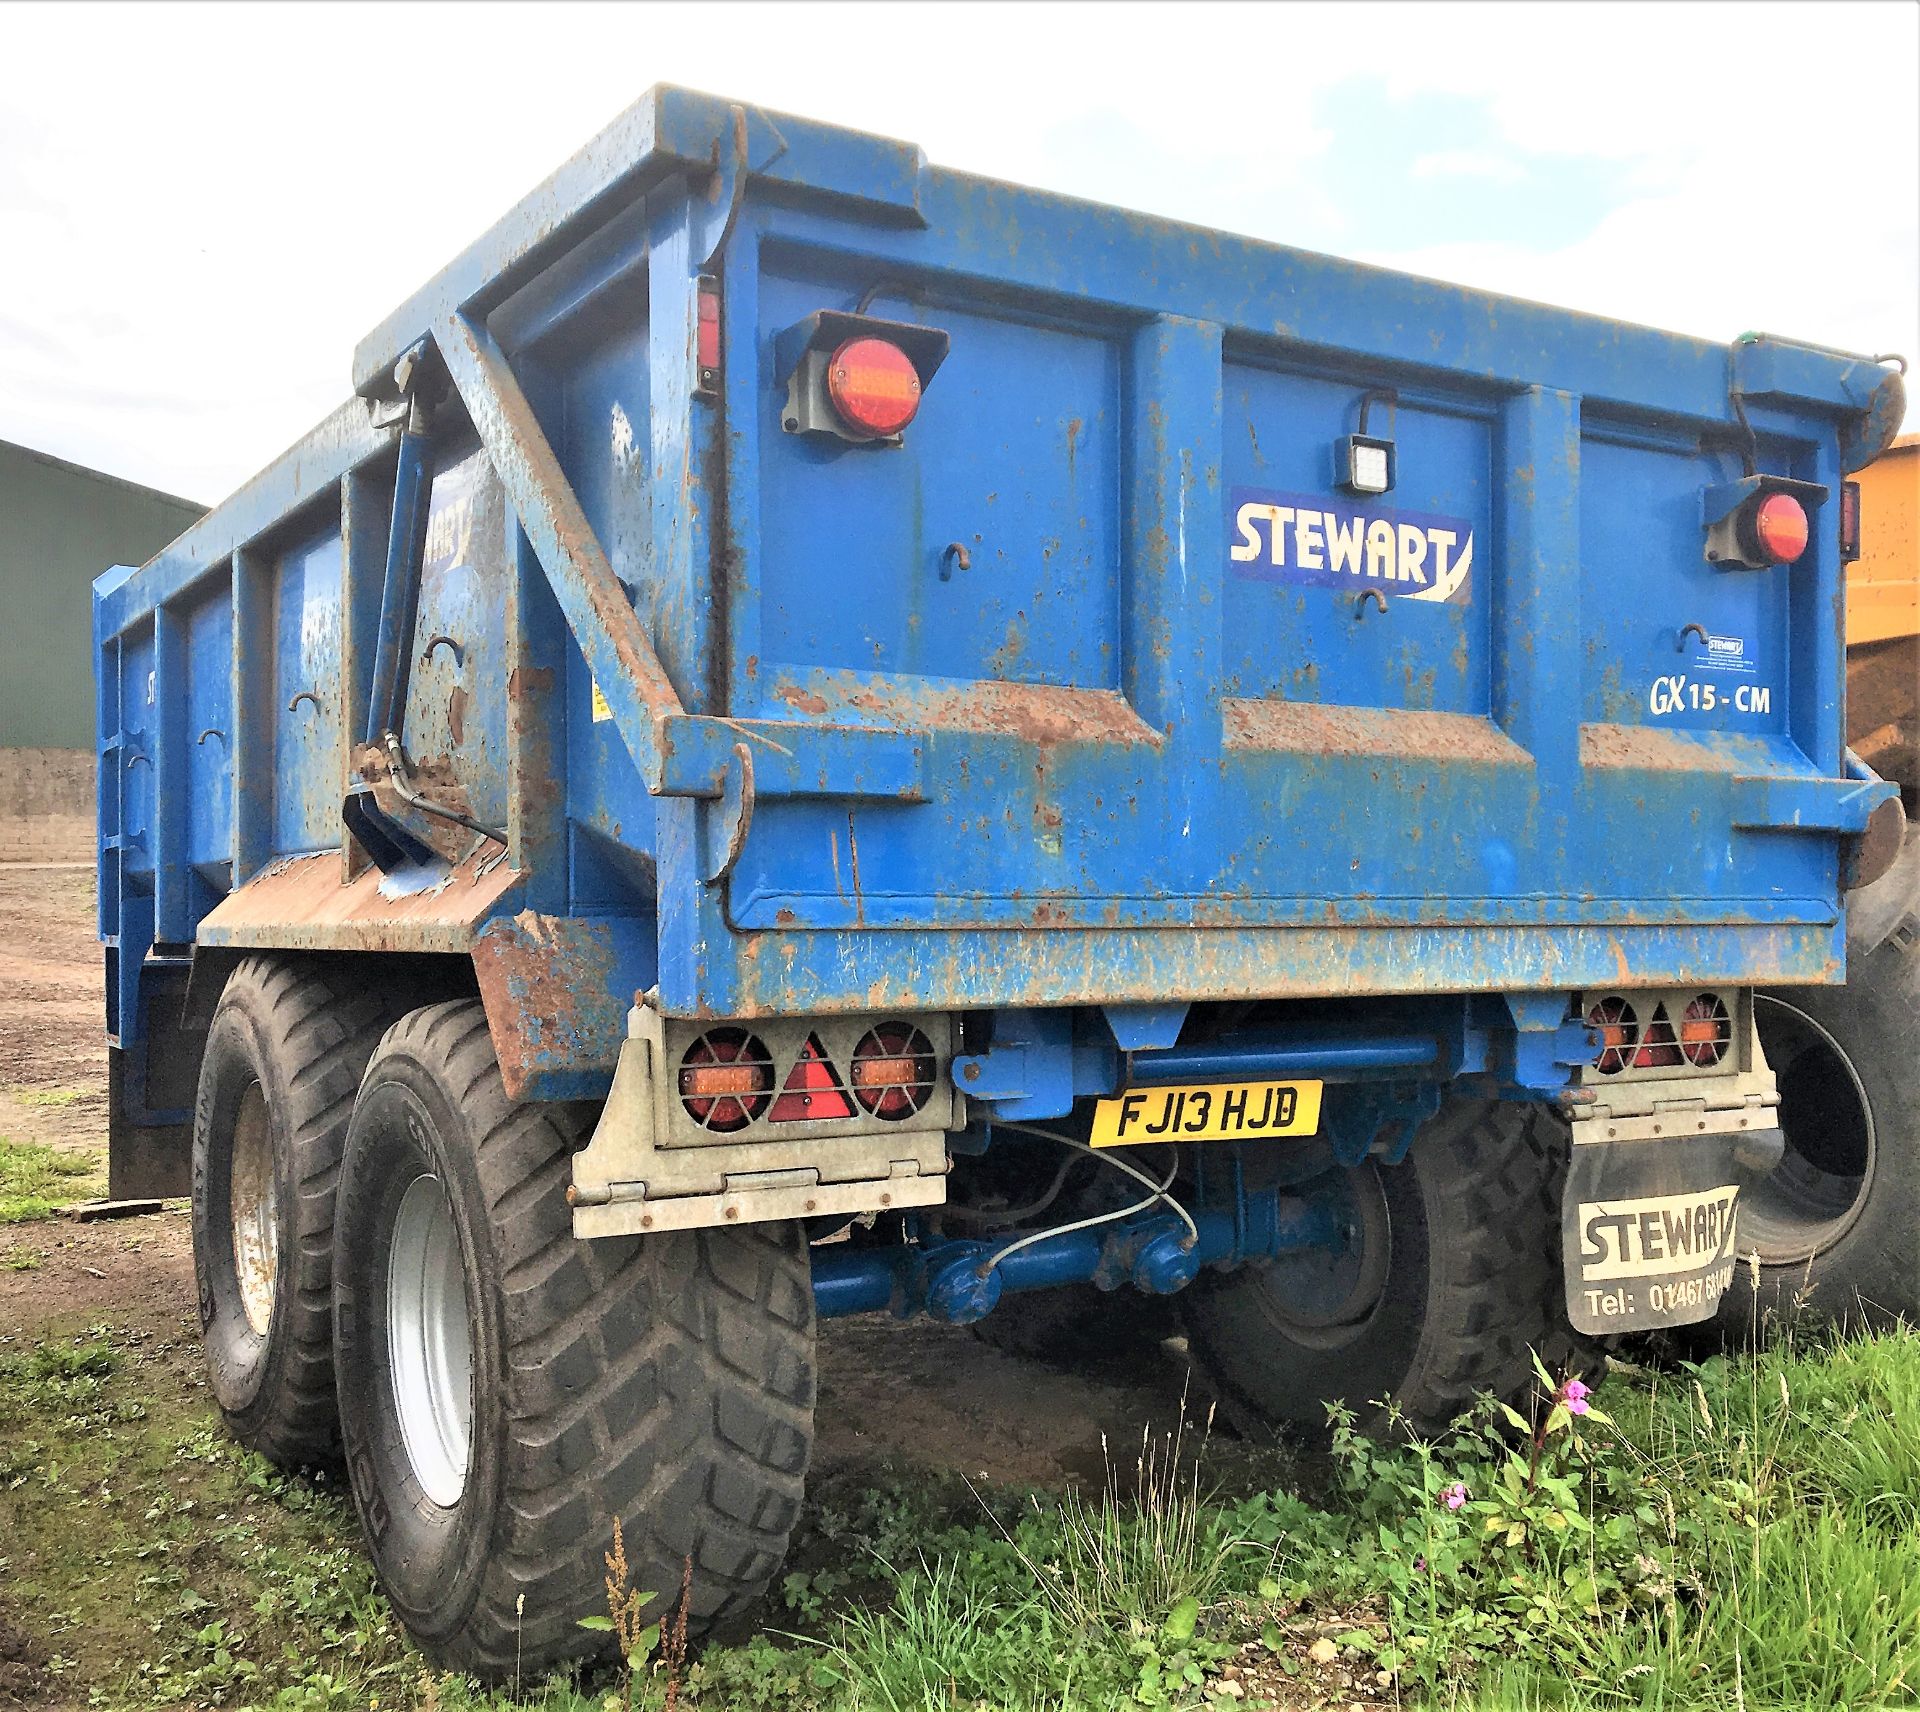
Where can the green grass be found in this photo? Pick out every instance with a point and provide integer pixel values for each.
(36, 1180)
(160, 1565)
(48, 1096)
(1744, 1534)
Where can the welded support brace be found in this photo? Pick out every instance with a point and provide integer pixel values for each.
(678, 754)
(602, 619)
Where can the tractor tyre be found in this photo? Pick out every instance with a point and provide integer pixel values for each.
(509, 1391)
(285, 1048)
(1450, 1282)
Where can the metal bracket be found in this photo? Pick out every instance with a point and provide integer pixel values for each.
(732, 816)
(1028, 1070)
(1377, 1120)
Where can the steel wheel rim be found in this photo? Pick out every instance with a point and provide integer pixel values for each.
(429, 1340)
(1324, 1299)
(251, 1216)
(1812, 1198)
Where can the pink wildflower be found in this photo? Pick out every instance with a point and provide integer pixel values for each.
(1574, 1395)
(1455, 1495)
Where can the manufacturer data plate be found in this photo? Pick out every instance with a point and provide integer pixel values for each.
(1213, 1111)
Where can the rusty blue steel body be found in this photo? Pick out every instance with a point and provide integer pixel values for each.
(1132, 743)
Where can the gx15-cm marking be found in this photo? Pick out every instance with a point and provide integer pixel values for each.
(1677, 693)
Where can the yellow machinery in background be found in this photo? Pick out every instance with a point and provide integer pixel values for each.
(1883, 621)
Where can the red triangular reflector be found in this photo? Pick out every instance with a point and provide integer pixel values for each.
(812, 1090)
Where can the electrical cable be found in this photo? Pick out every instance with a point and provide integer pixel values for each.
(1011, 1215)
(892, 286)
(1159, 1191)
(1750, 450)
(1120, 1165)
(1159, 1194)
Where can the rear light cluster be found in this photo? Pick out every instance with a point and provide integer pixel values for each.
(893, 1071)
(1623, 1041)
(728, 1079)
(1779, 529)
(1760, 521)
(725, 1079)
(855, 377)
(874, 386)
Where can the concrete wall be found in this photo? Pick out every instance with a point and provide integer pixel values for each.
(60, 526)
(46, 805)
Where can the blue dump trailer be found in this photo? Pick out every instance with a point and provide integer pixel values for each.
(821, 735)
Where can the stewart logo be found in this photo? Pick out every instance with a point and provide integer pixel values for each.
(1307, 538)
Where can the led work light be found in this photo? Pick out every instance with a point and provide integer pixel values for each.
(1363, 462)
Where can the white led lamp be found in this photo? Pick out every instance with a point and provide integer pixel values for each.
(1364, 463)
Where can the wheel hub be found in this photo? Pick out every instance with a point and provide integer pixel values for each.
(250, 1208)
(1323, 1296)
(430, 1341)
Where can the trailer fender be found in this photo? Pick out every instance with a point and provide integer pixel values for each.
(556, 991)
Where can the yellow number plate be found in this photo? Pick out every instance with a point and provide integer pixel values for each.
(1213, 1111)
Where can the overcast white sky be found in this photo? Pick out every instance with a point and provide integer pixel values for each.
(203, 208)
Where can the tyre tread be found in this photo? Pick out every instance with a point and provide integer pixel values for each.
(1491, 1174)
(600, 1387)
(326, 1023)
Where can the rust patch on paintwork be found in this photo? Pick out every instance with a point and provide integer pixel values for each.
(1033, 713)
(545, 983)
(543, 791)
(1043, 966)
(457, 714)
(805, 700)
(1386, 733)
(1649, 748)
(301, 905)
(529, 681)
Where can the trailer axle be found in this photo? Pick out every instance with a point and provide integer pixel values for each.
(1154, 1251)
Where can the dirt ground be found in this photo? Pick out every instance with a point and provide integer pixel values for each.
(915, 1393)
(51, 1047)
